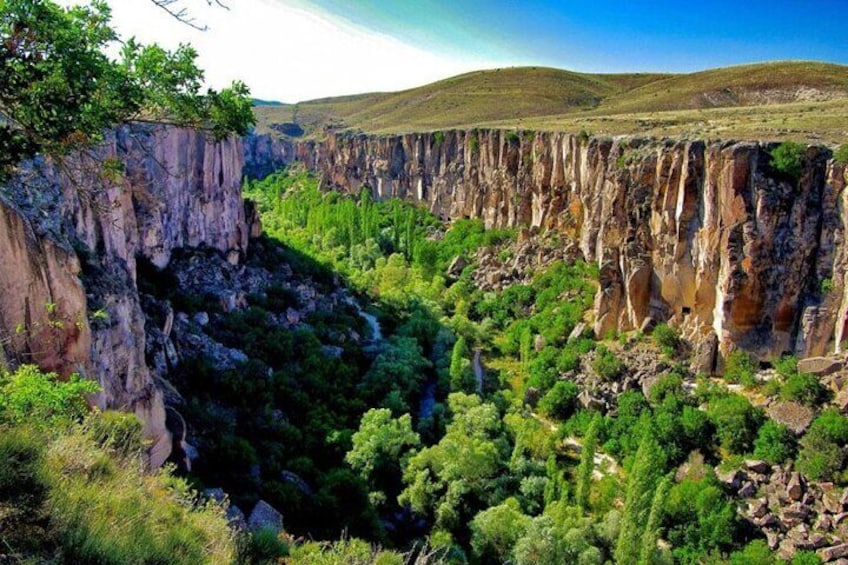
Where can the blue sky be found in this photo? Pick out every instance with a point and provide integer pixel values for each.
(611, 36)
(291, 50)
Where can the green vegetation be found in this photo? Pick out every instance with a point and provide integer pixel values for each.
(487, 473)
(59, 89)
(788, 159)
(741, 368)
(841, 154)
(73, 488)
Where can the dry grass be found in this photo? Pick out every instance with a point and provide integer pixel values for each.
(803, 101)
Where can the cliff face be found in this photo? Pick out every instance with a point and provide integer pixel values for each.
(69, 299)
(706, 236)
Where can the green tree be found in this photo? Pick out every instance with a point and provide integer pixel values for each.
(740, 368)
(774, 444)
(587, 463)
(647, 555)
(495, 530)
(641, 483)
(380, 449)
(821, 455)
(736, 422)
(755, 553)
(560, 401)
(59, 90)
(461, 374)
(788, 158)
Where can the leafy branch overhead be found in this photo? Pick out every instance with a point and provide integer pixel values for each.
(59, 89)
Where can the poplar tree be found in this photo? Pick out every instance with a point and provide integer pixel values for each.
(587, 463)
(652, 528)
(647, 465)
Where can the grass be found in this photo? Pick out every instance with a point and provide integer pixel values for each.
(800, 101)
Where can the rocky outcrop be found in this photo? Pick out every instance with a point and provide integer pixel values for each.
(705, 235)
(70, 240)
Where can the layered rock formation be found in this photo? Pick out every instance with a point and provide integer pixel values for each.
(706, 235)
(70, 240)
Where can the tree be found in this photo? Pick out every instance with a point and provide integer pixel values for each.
(59, 90)
(821, 455)
(652, 528)
(495, 530)
(736, 422)
(380, 449)
(461, 374)
(774, 444)
(587, 463)
(788, 158)
(560, 401)
(641, 482)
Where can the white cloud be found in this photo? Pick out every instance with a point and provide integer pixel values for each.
(286, 51)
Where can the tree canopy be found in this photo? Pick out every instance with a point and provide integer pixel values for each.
(60, 89)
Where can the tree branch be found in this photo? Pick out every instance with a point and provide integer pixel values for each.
(182, 15)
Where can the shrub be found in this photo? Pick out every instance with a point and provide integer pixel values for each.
(583, 136)
(262, 546)
(774, 444)
(788, 159)
(821, 455)
(786, 366)
(740, 368)
(736, 422)
(666, 338)
(606, 364)
(805, 558)
(560, 401)
(755, 553)
(42, 400)
(804, 388)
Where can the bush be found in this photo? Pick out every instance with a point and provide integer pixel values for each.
(42, 400)
(606, 364)
(786, 366)
(805, 558)
(821, 455)
(774, 444)
(262, 546)
(755, 553)
(740, 368)
(788, 159)
(116, 431)
(736, 422)
(804, 388)
(560, 401)
(666, 338)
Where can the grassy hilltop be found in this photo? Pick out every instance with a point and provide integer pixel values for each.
(803, 101)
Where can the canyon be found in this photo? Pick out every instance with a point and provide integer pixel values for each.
(705, 235)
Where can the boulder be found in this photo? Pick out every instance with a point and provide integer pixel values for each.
(757, 466)
(820, 366)
(833, 552)
(265, 517)
(795, 487)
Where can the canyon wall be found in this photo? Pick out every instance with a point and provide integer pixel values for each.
(70, 239)
(707, 236)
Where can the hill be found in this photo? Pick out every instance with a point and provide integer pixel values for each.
(803, 100)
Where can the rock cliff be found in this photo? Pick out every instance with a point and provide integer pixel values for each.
(70, 240)
(705, 235)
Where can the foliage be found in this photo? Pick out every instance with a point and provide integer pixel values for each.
(461, 374)
(60, 89)
(821, 455)
(88, 483)
(641, 483)
(775, 443)
(841, 154)
(804, 388)
(699, 518)
(755, 553)
(740, 368)
(606, 364)
(788, 159)
(666, 338)
(350, 551)
(495, 530)
(560, 401)
(587, 463)
(380, 449)
(42, 400)
(736, 422)
(444, 480)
